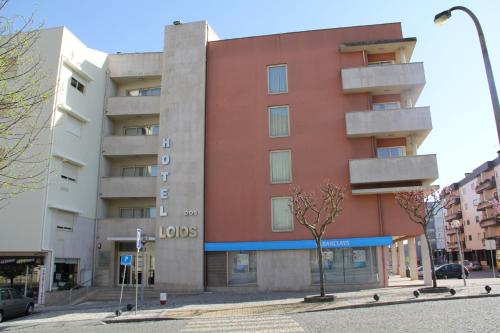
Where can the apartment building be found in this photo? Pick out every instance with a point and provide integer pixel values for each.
(53, 227)
(200, 144)
(471, 201)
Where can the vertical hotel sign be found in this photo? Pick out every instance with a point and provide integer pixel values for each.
(171, 231)
(165, 161)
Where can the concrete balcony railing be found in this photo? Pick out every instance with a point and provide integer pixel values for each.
(135, 65)
(483, 205)
(487, 184)
(489, 221)
(452, 201)
(402, 122)
(130, 145)
(379, 175)
(453, 216)
(115, 227)
(133, 106)
(128, 187)
(384, 79)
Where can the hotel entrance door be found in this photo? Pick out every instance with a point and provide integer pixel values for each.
(145, 271)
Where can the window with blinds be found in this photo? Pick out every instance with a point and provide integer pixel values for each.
(281, 214)
(63, 220)
(281, 168)
(279, 121)
(277, 80)
(69, 172)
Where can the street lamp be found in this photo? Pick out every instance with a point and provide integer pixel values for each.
(456, 224)
(440, 19)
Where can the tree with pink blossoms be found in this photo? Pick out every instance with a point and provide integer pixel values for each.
(421, 207)
(316, 214)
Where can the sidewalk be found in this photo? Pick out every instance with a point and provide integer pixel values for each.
(229, 304)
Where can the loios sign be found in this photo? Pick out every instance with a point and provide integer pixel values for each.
(172, 231)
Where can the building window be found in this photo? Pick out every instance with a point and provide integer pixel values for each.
(470, 237)
(140, 171)
(281, 214)
(63, 220)
(73, 126)
(277, 79)
(477, 219)
(137, 212)
(351, 265)
(386, 106)
(281, 169)
(69, 172)
(141, 130)
(466, 206)
(155, 91)
(380, 62)
(386, 152)
(242, 267)
(468, 222)
(77, 85)
(279, 121)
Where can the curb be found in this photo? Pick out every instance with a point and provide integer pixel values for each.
(344, 307)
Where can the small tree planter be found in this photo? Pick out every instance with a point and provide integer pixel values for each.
(319, 299)
(434, 290)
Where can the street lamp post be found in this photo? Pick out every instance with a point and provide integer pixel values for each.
(456, 224)
(440, 19)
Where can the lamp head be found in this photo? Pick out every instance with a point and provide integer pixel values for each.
(442, 17)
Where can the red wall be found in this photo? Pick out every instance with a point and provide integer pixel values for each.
(237, 178)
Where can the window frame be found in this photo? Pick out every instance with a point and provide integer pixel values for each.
(142, 210)
(286, 79)
(77, 84)
(386, 103)
(148, 130)
(389, 147)
(272, 215)
(271, 166)
(269, 108)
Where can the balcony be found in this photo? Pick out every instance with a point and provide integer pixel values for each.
(483, 205)
(384, 79)
(389, 175)
(487, 184)
(126, 66)
(128, 187)
(126, 228)
(382, 124)
(133, 106)
(117, 146)
(453, 216)
(454, 200)
(489, 221)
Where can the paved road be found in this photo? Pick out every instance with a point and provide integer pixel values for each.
(469, 315)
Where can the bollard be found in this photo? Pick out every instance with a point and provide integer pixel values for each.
(163, 298)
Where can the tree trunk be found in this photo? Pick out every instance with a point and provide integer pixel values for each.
(431, 257)
(320, 265)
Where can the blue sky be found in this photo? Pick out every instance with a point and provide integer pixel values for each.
(464, 134)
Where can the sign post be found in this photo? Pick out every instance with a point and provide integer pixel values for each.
(124, 261)
(139, 246)
(491, 245)
(41, 284)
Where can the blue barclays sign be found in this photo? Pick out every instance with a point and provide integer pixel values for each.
(299, 244)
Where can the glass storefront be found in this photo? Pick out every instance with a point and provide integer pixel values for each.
(346, 265)
(242, 267)
(21, 273)
(65, 273)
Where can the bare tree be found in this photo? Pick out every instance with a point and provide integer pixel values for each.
(421, 207)
(316, 214)
(23, 94)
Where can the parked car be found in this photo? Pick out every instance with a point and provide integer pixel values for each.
(13, 303)
(451, 271)
(472, 265)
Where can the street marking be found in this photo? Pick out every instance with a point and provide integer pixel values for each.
(273, 324)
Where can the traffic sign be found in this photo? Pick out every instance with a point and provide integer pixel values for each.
(139, 239)
(126, 260)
